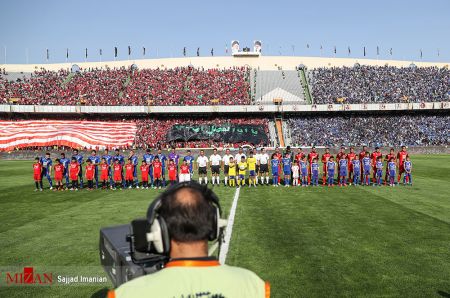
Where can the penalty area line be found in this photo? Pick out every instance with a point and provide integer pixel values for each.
(229, 229)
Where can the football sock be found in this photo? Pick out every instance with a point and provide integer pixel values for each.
(226, 180)
(206, 180)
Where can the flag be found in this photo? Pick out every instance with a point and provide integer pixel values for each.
(48, 55)
(421, 54)
(390, 51)
(67, 53)
(100, 52)
(349, 51)
(85, 53)
(184, 51)
(335, 49)
(226, 49)
(307, 45)
(129, 51)
(198, 52)
(212, 52)
(115, 51)
(90, 134)
(438, 52)
(378, 51)
(364, 51)
(143, 51)
(321, 48)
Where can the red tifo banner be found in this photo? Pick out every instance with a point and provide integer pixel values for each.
(89, 134)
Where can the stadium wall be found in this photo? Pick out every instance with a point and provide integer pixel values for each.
(262, 62)
(220, 109)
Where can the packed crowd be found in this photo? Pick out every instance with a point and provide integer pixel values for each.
(387, 84)
(178, 86)
(149, 137)
(411, 130)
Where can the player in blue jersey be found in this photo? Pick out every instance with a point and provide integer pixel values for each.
(79, 158)
(109, 160)
(95, 161)
(163, 160)
(65, 162)
(148, 158)
(286, 161)
(331, 167)
(275, 163)
(407, 179)
(343, 171)
(304, 170)
(367, 165)
(46, 162)
(173, 155)
(190, 161)
(315, 172)
(392, 168)
(121, 160)
(379, 171)
(356, 170)
(134, 161)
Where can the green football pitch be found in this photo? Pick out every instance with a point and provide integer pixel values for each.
(308, 242)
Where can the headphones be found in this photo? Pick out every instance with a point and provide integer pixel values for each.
(157, 232)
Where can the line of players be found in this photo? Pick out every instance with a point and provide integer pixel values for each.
(300, 169)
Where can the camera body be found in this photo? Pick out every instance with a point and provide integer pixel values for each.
(119, 258)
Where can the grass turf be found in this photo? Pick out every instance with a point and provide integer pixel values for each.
(364, 241)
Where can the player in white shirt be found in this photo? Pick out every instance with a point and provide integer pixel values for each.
(263, 162)
(225, 162)
(215, 160)
(202, 163)
(257, 157)
(295, 173)
(238, 156)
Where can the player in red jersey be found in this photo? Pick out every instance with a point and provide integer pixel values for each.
(350, 157)
(387, 158)
(172, 168)
(90, 171)
(129, 173)
(118, 171)
(185, 174)
(74, 170)
(311, 156)
(59, 171)
(278, 156)
(374, 156)
(37, 174)
(401, 157)
(340, 155)
(299, 156)
(144, 174)
(157, 172)
(325, 158)
(362, 154)
(104, 173)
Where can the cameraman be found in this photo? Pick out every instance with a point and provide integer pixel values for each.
(191, 217)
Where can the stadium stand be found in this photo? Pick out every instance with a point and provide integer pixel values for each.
(379, 84)
(389, 130)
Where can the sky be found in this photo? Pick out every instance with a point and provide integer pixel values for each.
(285, 28)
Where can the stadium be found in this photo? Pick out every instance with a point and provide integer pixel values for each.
(384, 235)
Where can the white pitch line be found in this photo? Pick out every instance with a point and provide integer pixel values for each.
(229, 229)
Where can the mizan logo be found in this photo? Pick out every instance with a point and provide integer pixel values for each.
(28, 276)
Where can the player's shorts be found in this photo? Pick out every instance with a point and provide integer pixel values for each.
(185, 177)
(37, 177)
(257, 168)
(324, 169)
(401, 168)
(367, 171)
(305, 173)
(202, 170)
(58, 177)
(232, 177)
(330, 174)
(392, 173)
(264, 168)
(215, 169)
(350, 168)
(252, 173)
(73, 177)
(104, 176)
(379, 173)
(172, 176)
(274, 173)
(157, 175)
(144, 178)
(356, 173)
(225, 169)
(343, 173)
(90, 177)
(241, 176)
(287, 173)
(295, 176)
(117, 177)
(129, 176)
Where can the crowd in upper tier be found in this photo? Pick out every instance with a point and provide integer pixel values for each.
(374, 84)
(130, 86)
(410, 130)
